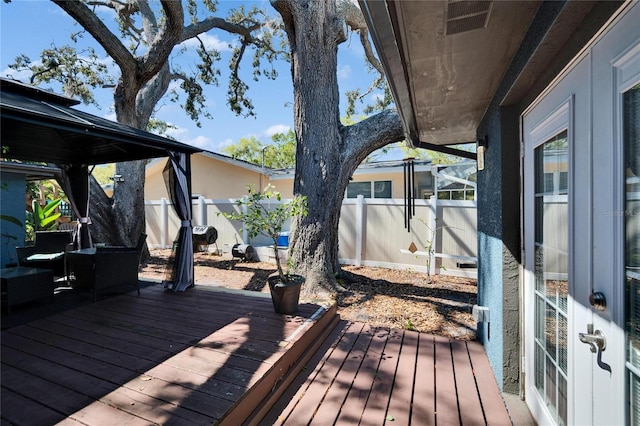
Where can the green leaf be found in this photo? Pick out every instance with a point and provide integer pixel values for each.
(390, 418)
(51, 206)
(49, 220)
(45, 218)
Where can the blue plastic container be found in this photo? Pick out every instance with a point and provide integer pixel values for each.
(283, 239)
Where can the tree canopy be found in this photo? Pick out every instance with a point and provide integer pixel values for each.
(280, 154)
(142, 40)
(142, 43)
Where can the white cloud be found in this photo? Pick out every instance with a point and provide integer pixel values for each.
(277, 128)
(344, 72)
(181, 134)
(23, 76)
(210, 42)
(225, 143)
(111, 116)
(178, 133)
(201, 142)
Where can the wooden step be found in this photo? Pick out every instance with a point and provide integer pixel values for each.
(297, 350)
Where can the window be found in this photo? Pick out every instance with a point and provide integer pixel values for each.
(548, 183)
(370, 189)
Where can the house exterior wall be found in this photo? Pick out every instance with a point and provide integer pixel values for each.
(210, 177)
(499, 190)
(285, 185)
(12, 195)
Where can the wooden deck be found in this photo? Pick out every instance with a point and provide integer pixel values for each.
(376, 376)
(207, 357)
(199, 357)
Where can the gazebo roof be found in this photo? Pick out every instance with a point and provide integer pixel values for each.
(38, 125)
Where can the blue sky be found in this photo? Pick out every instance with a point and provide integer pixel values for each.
(29, 26)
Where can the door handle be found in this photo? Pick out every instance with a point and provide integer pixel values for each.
(597, 343)
(595, 340)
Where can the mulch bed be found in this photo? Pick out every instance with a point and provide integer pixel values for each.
(397, 298)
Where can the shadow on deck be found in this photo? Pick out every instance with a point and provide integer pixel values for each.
(212, 357)
(199, 357)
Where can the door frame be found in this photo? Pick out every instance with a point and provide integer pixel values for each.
(560, 118)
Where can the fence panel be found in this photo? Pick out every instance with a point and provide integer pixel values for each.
(371, 232)
(457, 232)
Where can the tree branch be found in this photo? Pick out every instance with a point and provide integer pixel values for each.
(149, 22)
(89, 21)
(372, 133)
(164, 42)
(205, 25)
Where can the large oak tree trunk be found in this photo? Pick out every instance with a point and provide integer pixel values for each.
(327, 152)
(121, 220)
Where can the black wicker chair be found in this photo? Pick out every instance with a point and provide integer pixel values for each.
(104, 268)
(47, 252)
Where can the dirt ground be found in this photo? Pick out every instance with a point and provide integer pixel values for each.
(378, 296)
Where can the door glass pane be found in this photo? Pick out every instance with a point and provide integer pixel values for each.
(631, 141)
(550, 269)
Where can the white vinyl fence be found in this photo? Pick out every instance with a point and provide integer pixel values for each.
(371, 232)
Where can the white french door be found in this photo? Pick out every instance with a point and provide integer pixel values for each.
(582, 236)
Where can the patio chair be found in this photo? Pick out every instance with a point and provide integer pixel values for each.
(47, 252)
(103, 268)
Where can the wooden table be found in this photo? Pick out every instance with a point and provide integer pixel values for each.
(21, 284)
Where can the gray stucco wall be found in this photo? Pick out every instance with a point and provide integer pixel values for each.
(12, 203)
(499, 247)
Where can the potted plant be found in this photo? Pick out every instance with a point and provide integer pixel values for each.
(261, 218)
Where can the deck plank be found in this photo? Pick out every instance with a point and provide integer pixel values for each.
(351, 412)
(375, 409)
(402, 392)
(334, 398)
(31, 412)
(306, 407)
(446, 398)
(404, 378)
(492, 403)
(469, 401)
(423, 409)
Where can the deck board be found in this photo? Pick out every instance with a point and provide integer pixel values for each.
(471, 412)
(337, 392)
(403, 377)
(315, 393)
(487, 386)
(376, 408)
(401, 396)
(206, 357)
(161, 358)
(423, 408)
(351, 413)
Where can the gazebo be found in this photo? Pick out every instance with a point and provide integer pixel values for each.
(40, 126)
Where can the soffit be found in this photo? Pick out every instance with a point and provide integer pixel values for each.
(443, 83)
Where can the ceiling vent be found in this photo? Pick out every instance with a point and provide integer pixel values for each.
(463, 16)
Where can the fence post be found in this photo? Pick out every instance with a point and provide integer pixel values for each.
(359, 228)
(433, 228)
(164, 222)
(245, 234)
(202, 210)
